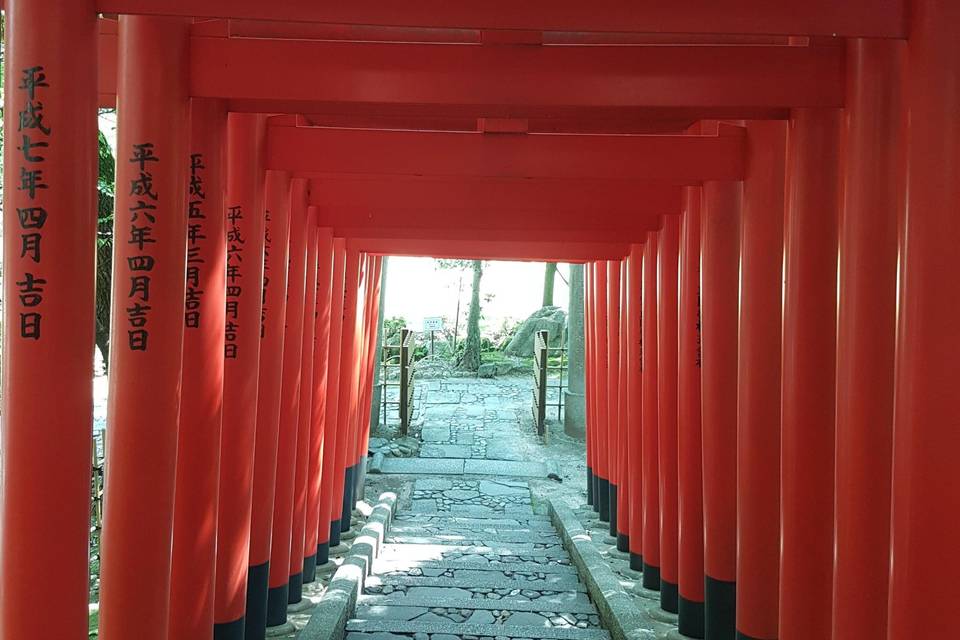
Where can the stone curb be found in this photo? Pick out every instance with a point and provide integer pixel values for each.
(618, 611)
(329, 619)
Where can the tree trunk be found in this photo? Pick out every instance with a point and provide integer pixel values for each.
(471, 352)
(574, 409)
(549, 276)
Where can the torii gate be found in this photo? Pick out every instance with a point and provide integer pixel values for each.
(779, 460)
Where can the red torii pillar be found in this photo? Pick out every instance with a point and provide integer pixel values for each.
(600, 366)
(305, 419)
(626, 471)
(48, 264)
(758, 416)
(719, 311)
(925, 556)
(689, 442)
(245, 244)
(349, 352)
(319, 439)
(147, 321)
(650, 445)
(809, 374)
(288, 425)
(371, 359)
(612, 372)
(361, 417)
(866, 335)
(329, 533)
(666, 345)
(272, 317)
(634, 388)
(201, 395)
(588, 351)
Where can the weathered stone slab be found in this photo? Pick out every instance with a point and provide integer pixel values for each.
(434, 466)
(484, 579)
(444, 451)
(491, 533)
(511, 631)
(437, 551)
(496, 488)
(572, 606)
(435, 434)
(475, 562)
(511, 520)
(443, 397)
(433, 484)
(503, 451)
(524, 469)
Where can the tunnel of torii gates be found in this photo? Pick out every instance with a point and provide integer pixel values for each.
(765, 196)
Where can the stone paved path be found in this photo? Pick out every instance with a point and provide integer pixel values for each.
(470, 559)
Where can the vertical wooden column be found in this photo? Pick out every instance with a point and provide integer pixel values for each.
(241, 369)
(371, 360)
(588, 353)
(613, 387)
(347, 391)
(273, 315)
(634, 388)
(689, 442)
(809, 374)
(329, 533)
(758, 393)
(319, 427)
(719, 312)
(147, 328)
(668, 257)
(601, 364)
(651, 447)
(288, 426)
(49, 231)
(626, 468)
(304, 417)
(866, 335)
(925, 558)
(365, 330)
(201, 396)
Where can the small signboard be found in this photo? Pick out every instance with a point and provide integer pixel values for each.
(433, 324)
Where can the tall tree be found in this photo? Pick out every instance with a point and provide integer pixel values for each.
(105, 193)
(470, 361)
(549, 276)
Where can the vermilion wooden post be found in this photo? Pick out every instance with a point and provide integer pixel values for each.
(347, 388)
(719, 314)
(304, 417)
(690, 574)
(245, 226)
(318, 430)
(201, 400)
(48, 307)
(758, 414)
(650, 444)
(372, 359)
(809, 374)
(667, 310)
(147, 327)
(361, 416)
(289, 422)
(866, 334)
(925, 558)
(600, 367)
(588, 379)
(329, 533)
(613, 386)
(273, 314)
(626, 471)
(634, 387)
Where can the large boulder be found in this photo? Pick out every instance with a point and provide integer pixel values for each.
(552, 319)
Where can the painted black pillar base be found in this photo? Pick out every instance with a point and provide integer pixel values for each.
(229, 630)
(335, 533)
(604, 500)
(669, 596)
(346, 515)
(589, 486)
(636, 562)
(295, 593)
(691, 622)
(623, 542)
(323, 555)
(651, 577)
(596, 493)
(310, 568)
(740, 636)
(720, 609)
(258, 584)
(359, 480)
(613, 510)
(277, 605)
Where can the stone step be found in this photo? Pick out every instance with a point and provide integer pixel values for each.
(473, 562)
(537, 531)
(400, 545)
(547, 600)
(453, 520)
(428, 507)
(389, 576)
(465, 466)
(491, 630)
(466, 536)
(481, 540)
(503, 614)
(506, 604)
(484, 580)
